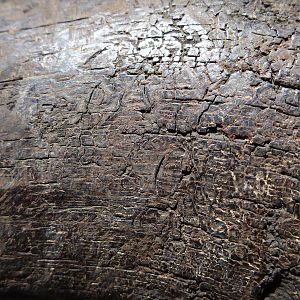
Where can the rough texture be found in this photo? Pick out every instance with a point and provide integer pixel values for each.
(150, 149)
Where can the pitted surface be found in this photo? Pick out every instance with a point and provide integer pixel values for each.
(150, 149)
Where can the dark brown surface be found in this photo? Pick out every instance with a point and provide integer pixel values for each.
(150, 149)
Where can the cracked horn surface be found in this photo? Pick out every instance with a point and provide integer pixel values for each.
(150, 149)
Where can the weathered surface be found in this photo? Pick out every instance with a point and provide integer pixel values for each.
(150, 149)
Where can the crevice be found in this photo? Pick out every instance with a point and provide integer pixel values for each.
(52, 24)
(12, 80)
(157, 170)
(269, 284)
(93, 56)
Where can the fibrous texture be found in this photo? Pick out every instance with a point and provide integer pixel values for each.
(150, 149)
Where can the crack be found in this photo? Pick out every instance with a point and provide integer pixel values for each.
(93, 56)
(145, 95)
(12, 80)
(177, 276)
(52, 24)
(276, 108)
(289, 85)
(158, 169)
(280, 110)
(120, 101)
(90, 98)
(289, 175)
(99, 69)
(281, 83)
(203, 112)
(261, 34)
(269, 284)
